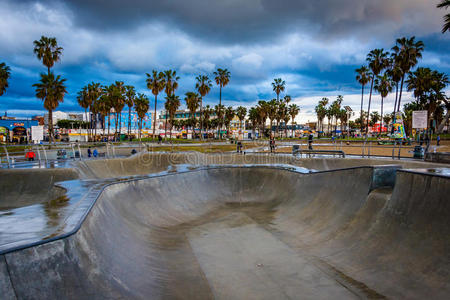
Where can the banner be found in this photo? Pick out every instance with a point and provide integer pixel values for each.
(398, 128)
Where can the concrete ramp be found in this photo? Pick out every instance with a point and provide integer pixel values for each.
(248, 233)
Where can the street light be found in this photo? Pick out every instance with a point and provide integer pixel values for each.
(349, 114)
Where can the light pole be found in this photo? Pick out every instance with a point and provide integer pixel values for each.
(349, 114)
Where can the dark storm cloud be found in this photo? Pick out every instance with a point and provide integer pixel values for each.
(250, 20)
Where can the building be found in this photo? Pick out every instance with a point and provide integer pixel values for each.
(16, 130)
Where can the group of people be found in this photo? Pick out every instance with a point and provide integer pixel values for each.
(91, 153)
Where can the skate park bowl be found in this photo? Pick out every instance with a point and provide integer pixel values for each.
(241, 228)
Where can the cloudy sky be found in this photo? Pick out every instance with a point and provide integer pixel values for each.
(314, 46)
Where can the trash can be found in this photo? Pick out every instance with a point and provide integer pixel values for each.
(418, 152)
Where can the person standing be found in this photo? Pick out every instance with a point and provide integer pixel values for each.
(89, 152)
(438, 140)
(95, 153)
(310, 141)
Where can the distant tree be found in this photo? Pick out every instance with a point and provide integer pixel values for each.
(378, 61)
(229, 115)
(222, 79)
(172, 104)
(141, 106)
(278, 86)
(203, 86)
(156, 83)
(192, 102)
(294, 110)
(383, 84)
(363, 77)
(130, 95)
(241, 112)
(4, 77)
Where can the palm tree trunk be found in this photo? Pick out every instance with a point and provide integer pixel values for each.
(381, 122)
(154, 118)
(129, 121)
(219, 134)
(368, 109)
(400, 96)
(50, 125)
(201, 117)
(109, 124)
(292, 127)
(396, 97)
(361, 114)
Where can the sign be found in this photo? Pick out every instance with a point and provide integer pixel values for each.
(3, 130)
(37, 133)
(19, 124)
(419, 119)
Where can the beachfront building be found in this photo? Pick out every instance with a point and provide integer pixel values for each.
(16, 130)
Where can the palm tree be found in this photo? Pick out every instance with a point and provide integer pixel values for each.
(407, 52)
(281, 112)
(375, 117)
(286, 118)
(103, 108)
(287, 99)
(84, 101)
(170, 85)
(118, 104)
(219, 110)
(294, 110)
(155, 83)
(278, 86)
(253, 116)
(241, 112)
(229, 115)
(263, 113)
(171, 106)
(203, 86)
(383, 85)
(47, 50)
(222, 79)
(4, 77)
(335, 108)
(94, 92)
(445, 4)
(363, 78)
(130, 96)
(192, 103)
(378, 61)
(109, 96)
(141, 106)
(272, 109)
(51, 90)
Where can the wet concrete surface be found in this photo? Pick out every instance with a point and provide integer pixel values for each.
(237, 232)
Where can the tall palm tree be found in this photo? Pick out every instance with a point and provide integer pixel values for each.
(170, 85)
(363, 77)
(222, 79)
(272, 109)
(171, 106)
(4, 77)
(192, 103)
(104, 108)
(294, 110)
(445, 4)
(47, 50)
(109, 93)
(407, 52)
(281, 113)
(141, 106)
(84, 101)
(278, 86)
(378, 61)
(156, 83)
(118, 104)
(203, 86)
(383, 85)
(51, 90)
(229, 115)
(263, 113)
(130, 96)
(220, 111)
(95, 90)
(253, 116)
(241, 112)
